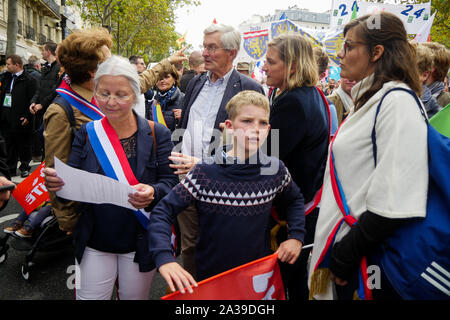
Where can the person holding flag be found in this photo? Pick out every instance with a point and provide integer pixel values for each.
(110, 241)
(233, 192)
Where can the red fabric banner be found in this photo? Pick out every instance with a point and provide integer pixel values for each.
(31, 192)
(256, 280)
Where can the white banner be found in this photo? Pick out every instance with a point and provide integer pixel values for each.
(414, 16)
(424, 33)
(255, 37)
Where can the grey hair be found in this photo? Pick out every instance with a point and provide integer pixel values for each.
(231, 38)
(119, 66)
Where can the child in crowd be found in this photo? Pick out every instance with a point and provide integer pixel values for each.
(234, 192)
(24, 225)
(424, 57)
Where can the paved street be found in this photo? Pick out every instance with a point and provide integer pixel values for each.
(49, 275)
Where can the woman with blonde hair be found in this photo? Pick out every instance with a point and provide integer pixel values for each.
(300, 114)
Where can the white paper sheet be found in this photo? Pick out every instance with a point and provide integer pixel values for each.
(83, 186)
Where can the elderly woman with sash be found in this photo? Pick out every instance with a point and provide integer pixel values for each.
(110, 241)
(80, 54)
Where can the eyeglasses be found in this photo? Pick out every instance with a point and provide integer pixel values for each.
(210, 48)
(104, 97)
(349, 44)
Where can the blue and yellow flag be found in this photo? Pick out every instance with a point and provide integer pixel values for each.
(157, 113)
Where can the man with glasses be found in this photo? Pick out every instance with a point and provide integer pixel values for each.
(204, 110)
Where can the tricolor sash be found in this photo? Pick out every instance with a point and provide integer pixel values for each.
(363, 291)
(157, 113)
(87, 108)
(112, 158)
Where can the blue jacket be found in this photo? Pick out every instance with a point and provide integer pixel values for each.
(110, 228)
(237, 83)
(301, 117)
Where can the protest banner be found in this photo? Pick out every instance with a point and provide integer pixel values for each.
(417, 19)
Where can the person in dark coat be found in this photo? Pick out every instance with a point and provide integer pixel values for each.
(45, 93)
(16, 120)
(33, 67)
(49, 77)
(169, 97)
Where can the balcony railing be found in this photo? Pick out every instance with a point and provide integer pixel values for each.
(19, 27)
(30, 33)
(42, 38)
(53, 6)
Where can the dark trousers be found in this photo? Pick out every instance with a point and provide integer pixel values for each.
(18, 148)
(295, 276)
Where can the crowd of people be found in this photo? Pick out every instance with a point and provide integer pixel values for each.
(225, 180)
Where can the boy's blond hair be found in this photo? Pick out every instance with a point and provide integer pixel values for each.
(424, 56)
(245, 98)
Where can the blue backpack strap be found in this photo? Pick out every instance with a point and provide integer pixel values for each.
(374, 137)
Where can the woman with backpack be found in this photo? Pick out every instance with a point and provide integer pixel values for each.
(382, 168)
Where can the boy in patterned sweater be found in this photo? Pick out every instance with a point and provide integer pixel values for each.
(234, 192)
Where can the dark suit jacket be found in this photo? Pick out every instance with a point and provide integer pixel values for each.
(236, 84)
(22, 92)
(152, 169)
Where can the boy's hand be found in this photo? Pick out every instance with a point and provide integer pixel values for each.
(182, 163)
(173, 273)
(143, 197)
(289, 251)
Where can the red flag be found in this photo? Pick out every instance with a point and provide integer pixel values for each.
(31, 192)
(214, 21)
(256, 280)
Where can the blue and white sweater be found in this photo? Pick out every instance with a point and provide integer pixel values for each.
(233, 203)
